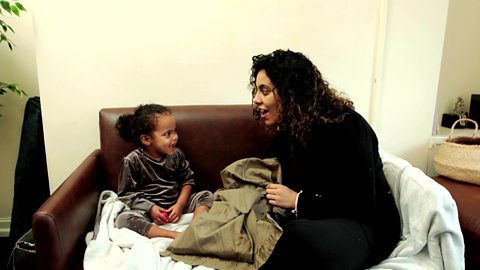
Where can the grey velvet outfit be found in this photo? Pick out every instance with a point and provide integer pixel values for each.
(144, 182)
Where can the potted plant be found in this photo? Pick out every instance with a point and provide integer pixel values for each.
(10, 7)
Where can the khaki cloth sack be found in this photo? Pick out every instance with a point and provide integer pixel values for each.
(458, 158)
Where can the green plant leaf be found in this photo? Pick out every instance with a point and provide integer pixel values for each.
(20, 6)
(12, 87)
(14, 9)
(6, 6)
(4, 38)
(11, 29)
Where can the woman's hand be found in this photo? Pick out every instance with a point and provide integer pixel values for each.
(280, 195)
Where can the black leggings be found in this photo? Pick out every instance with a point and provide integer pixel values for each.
(323, 244)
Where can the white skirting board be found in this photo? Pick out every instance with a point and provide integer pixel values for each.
(4, 227)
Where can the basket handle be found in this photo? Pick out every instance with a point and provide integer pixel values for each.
(464, 119)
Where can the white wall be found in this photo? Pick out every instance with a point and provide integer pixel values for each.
(460, 73)
(95, 54)
(414, 35)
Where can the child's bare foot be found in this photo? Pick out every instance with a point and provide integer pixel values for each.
(175, 234)
(160, 232)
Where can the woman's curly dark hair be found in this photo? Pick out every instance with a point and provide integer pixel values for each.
(305, 97)
(141, 122)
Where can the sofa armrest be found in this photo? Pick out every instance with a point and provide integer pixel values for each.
(62, 221)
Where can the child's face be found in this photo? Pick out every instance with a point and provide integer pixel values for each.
(163, 139)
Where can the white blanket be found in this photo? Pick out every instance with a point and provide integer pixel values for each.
(111, 248)
(431, 235)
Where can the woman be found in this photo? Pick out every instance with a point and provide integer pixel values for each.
(343, 213)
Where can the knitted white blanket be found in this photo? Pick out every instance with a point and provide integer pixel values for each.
(111, 248)
(431, 236)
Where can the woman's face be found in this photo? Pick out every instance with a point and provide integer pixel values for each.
(266, 99)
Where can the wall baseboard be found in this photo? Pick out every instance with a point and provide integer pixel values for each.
(5, 227)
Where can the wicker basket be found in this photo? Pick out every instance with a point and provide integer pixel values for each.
(459, 157)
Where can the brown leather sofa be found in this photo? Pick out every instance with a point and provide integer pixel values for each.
(212, 136)
(467, 198)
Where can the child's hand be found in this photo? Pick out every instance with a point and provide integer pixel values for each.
(175, 213)
(158, 215)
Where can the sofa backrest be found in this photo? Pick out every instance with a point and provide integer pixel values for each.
(212, 137)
